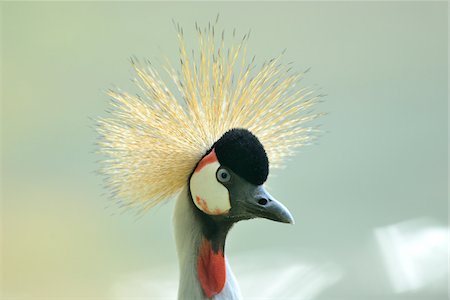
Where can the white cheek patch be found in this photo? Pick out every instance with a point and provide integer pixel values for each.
(209, 195)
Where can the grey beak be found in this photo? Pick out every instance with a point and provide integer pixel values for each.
(266, 206)
(250, 201)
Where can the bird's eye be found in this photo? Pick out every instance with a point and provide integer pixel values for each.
(223, 175)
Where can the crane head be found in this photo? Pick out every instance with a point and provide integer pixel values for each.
(228, 181)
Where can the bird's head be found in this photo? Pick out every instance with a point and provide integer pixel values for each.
(227, 182)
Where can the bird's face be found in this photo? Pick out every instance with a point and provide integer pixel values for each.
(227, 183)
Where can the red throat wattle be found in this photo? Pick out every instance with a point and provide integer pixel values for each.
(211, 269)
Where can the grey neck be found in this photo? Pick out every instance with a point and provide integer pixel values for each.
(188, 237)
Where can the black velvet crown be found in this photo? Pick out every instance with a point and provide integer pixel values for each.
(241, 151)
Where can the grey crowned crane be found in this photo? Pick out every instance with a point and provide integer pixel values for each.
(211, 148)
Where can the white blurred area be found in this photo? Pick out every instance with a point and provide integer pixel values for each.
(413, 256)
(261, 275)
(284, 277)
(415, 253)
(151, 284)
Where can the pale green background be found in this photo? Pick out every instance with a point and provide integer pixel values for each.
(382, 160)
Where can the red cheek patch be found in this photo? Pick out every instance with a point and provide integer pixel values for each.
(208, 159)
(211, 269)
(205, 208)
(202, 203)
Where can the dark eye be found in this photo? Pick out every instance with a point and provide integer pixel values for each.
(223, 175)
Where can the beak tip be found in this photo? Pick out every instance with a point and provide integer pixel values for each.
(287, 218)
(290, 220)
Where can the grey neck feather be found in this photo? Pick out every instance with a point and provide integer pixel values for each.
(188, 236)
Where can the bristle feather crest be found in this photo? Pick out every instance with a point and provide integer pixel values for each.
(152, 144)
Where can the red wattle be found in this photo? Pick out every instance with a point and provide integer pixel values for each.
(211, 269)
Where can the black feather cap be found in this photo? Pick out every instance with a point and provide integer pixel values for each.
(241, 151)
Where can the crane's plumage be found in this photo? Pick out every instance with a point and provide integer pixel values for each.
(152, 142)
(210, 141)
(188, 236)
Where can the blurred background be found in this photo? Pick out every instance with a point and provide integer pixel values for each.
(369, 198)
